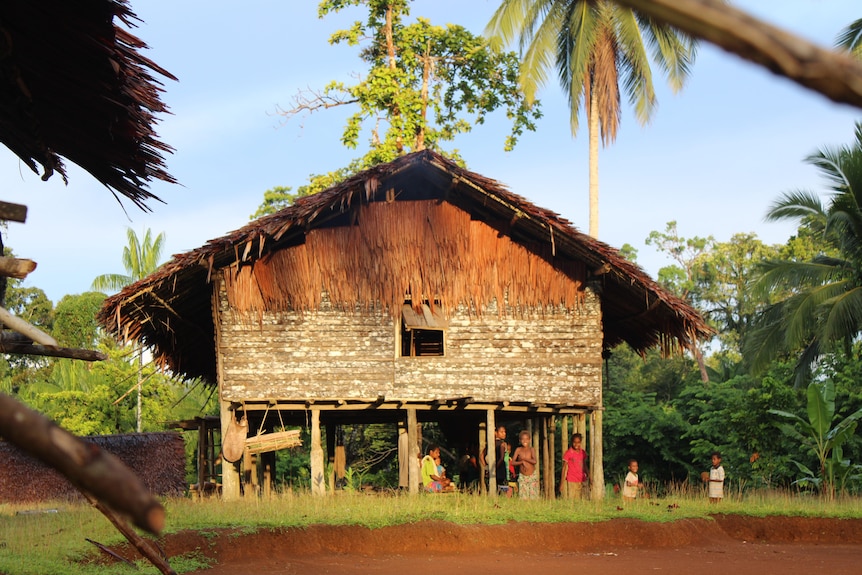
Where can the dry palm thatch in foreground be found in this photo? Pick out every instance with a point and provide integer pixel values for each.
(73, 85)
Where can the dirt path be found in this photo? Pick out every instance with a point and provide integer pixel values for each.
(732, 545)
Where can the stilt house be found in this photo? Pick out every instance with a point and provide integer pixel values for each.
(414, 291)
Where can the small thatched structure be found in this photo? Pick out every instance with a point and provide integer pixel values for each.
(157, 459)
(413, 289)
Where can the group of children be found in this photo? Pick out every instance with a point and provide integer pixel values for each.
(714, 479)
(522, 465)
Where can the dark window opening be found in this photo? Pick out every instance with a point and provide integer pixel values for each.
(422, 333)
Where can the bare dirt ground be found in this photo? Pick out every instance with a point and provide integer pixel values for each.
(728, 544)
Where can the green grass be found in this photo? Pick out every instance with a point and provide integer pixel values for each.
(54, 543)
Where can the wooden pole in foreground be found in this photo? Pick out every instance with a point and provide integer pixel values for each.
(86, 466)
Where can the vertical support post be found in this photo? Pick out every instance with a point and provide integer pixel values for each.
(565, 436)
(403, 455)
(318, 481)
(413, 479)
(597, 472)
(203, 438)
(536, 439)
(545, 454)
(330, 456)
(552, 458)
(491, 453)
(230, 480)
(248, 472)
(483, 444)
(268, 461)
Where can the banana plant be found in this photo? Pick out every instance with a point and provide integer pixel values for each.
(823, 438)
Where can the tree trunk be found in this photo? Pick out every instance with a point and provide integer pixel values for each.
(594, 165)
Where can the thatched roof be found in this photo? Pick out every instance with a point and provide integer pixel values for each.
(73, 85)
(170, 311)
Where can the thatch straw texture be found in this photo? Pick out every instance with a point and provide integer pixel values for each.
(434, 252)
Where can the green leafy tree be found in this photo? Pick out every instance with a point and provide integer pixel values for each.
(140, 259)
(815, 306)
(682, 277)
(722, 282)
(425, 85)
(822, 434)
(594, 46)
(75, 319)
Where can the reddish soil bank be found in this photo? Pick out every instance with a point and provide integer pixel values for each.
(727, 544)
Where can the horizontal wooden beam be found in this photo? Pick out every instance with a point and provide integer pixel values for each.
(13, 212)
(346, 405)
(15, 267)
(51, 351)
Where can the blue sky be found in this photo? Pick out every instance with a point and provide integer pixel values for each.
(713, 158)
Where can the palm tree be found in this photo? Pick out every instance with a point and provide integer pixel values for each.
(850, 39)
(815, 306)
(140, 260)
(594, 45)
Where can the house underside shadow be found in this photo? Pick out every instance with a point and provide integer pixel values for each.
(465, 426)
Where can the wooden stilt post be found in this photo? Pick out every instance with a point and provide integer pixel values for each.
(545, 453)
(491, 453)
(597, 473)
(203, 439)
(330, 456)
(318, 481)
(230, 479)
(483, 443)
(413, 479)
(268, 460)
(552, 458)
(565, 437)
(403, 456)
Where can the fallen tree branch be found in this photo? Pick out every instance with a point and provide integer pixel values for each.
(88, 468)
(145, 547)
(105, 549)
(835, 75)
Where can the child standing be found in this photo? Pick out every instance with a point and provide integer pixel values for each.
(524, 460)
(572, 476)
(716, 479)
(632, 484)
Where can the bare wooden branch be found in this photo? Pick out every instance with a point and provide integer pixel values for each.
(835, 75)
(9, 336)
(21, 326)
(16, 268)
(13, 212)
(145, 547)
(51, 351)
(105, 549)
(310, 101)
(88, 468)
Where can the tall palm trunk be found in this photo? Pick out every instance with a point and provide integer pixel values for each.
(140, 387)
(594, 164)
